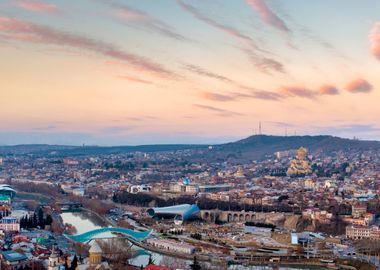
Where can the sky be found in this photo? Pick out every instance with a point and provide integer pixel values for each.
(123, 72)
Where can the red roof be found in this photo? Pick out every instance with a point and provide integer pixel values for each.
(156, 267)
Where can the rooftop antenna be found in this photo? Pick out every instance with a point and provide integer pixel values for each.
(260, 128)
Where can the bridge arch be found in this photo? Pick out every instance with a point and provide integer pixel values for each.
(129, 234)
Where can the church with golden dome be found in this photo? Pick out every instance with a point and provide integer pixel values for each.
(300, 166)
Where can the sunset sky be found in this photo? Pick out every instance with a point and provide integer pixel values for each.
(180, 71)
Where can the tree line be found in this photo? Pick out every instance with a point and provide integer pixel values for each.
(36, 220)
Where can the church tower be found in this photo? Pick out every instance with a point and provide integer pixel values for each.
(54, 259)
(95, 251)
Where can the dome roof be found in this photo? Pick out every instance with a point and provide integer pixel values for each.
(95, 248)
(6, 189)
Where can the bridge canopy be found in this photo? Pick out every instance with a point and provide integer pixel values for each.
(185, 211)
(88, 236)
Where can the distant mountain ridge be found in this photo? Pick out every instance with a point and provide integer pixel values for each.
(251, 148)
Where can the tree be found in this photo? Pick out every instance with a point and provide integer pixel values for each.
(151, 261)
(74, 263)
(40, 217)
(66, 265)
(195, 265)
(34, 220)
(48, 220)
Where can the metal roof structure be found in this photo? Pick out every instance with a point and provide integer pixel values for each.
(185, 211)
(13, 256)
(7, 190)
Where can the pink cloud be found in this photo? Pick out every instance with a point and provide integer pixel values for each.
(374, 38)
(328, 90)
(296, 91)
(267, 15)
(15, 29)
(217, 97)
(37, 6)
(359, 86)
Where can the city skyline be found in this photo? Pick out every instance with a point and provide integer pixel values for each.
(139, 72)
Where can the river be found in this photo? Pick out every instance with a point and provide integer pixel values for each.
(85, 221)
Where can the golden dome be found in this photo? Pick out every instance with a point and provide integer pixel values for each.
(301, 153)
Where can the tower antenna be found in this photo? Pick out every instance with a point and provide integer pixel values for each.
(260, 128)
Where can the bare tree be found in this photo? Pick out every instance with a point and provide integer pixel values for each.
(116, 251)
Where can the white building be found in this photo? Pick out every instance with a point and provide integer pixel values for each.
(362, 232)
(10, 224)
(171, 246)
(139, 188)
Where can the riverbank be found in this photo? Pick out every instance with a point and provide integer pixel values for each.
(213, 259)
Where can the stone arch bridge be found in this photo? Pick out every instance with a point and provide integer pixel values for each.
(239, 216)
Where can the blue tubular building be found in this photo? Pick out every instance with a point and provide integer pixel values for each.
(7, 190)
(183, 211)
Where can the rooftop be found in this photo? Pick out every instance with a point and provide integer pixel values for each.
(13, 256)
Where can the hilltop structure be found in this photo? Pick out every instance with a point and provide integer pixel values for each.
(300, 166)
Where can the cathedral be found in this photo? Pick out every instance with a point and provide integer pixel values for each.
(300, 166)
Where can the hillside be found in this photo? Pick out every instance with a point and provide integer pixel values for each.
(63, 150)
(251, 148)
(258, 146)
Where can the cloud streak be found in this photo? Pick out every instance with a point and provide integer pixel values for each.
(200, 71)
(135, 16)
(296, 91)
(235, 96)
(217, 97)
(264, 64)
(253, 93)
(229, 30)
(218, 111)
(267, 15)
(134, 79)
(37, 6)
(29, 32)
(374, 38)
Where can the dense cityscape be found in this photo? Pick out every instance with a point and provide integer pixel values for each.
(164, 210)
(189, 135)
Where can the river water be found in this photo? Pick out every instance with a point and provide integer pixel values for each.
(85, 221)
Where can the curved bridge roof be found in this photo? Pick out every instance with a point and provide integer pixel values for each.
(87, 236)
(183, 210)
